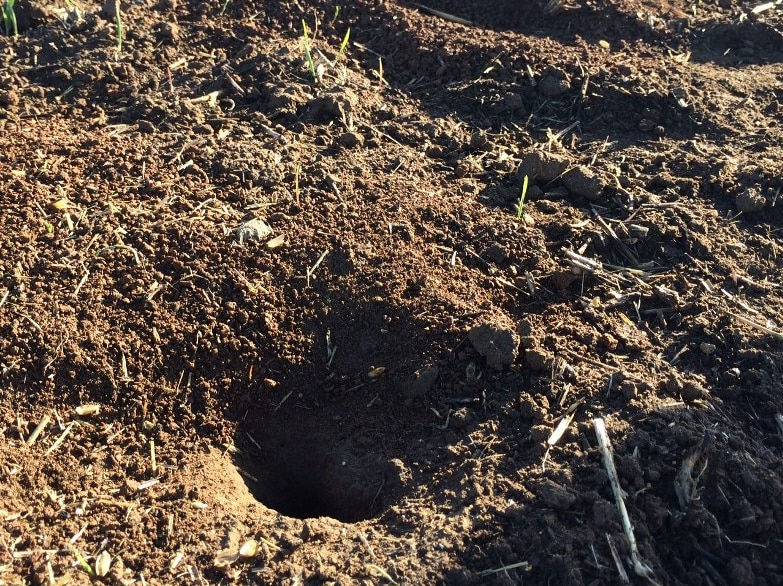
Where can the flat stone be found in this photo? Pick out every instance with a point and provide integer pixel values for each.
(254, 229)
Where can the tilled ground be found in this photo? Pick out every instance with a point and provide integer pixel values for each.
(286, 320)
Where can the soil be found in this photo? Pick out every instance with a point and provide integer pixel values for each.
(349, 319)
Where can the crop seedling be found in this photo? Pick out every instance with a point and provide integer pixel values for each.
(225, 5)
(521, 204)
(83, 562)
(308, 52)
(343, 45)
(9, 18)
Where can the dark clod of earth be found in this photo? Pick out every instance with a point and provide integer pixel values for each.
(343, 293)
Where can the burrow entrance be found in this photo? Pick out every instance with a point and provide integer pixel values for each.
(305, 467)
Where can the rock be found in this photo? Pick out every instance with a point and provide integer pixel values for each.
(423, 380)
(751, 200)
(584, 182)
(497, 344)
(554, 82)
(254, 229)
(554, 495)
(541, 166)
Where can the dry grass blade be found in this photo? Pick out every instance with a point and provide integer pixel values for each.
(383, 573)
(758, 326)
(523, 565)
(444, 15)
(60, 439)
(45, 420)
(684, 484)
(312, 269)
(640, 568)
(617, 561)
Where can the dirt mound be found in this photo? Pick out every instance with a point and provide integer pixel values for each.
(339, 302)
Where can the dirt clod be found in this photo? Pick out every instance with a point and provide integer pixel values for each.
(541, 166)
(554, 82)
(421, 383)
(554, 495)
(495, 343)
(584, 182)
(751, 200)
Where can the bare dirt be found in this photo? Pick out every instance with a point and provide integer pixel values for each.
(290, 325)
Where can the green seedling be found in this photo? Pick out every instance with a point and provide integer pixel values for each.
(120, 28)
(522, 196)
(225, 6)
(336, 14)
(308, 51)
(9, 18)
(343, 45)
(83, 563)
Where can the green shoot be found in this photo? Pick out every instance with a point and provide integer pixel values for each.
(225, 5)
(308, 52)
(521, 204)
(336, 14)
(9, 18)
(120, 28)
(83, 563)
(343, 45)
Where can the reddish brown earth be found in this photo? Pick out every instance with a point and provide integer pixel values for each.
(367, 394)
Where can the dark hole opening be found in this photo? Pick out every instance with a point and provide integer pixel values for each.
(304, 475)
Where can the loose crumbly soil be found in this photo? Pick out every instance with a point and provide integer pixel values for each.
(368, 393)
